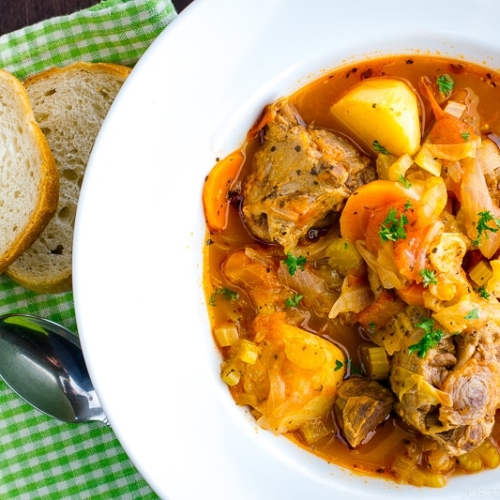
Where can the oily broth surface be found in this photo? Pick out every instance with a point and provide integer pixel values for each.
(313, 103)
(314, 100)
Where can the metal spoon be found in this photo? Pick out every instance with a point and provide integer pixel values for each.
(43, 363)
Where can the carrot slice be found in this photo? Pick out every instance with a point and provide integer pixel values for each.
(362, 204)
(447, 129)
(381, 311)
(216, 189)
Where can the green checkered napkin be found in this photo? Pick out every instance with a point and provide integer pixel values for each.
(41, 457)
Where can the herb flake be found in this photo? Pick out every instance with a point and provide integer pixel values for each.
(428, 277)
(403, 180)
(473, 314)
(293, 263)
(429, 340)
(482, 226)
(393, 227)
(483, 292)
(379, 148)
(227, 293)
(445, 84)
(294, 302)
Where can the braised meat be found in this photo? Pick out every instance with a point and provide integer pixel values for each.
(360, 407)
(300, 175)
(452, 393)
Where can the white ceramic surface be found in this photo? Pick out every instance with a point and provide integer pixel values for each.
(140, 231)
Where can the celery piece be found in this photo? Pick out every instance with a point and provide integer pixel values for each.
(343, 256)
(375, 361)
(247, 351)
(313, 430)
(481, 273)
(230, 374)
(226, 334)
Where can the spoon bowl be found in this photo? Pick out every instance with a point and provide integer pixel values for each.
(43, 363)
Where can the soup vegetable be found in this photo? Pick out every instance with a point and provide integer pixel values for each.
(352, 268)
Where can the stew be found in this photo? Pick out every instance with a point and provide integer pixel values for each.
(352, 268)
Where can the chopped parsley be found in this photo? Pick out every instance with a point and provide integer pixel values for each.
(483, 292)
(379, 148)
(429, 277)
(473, 314)
(293, 302)
(403, 180)
(482, 226)
(227, 293)
(407, 205)
(445, 84)
(393, 227)
(353, 370)
(466, 136)
(430, 339)
(294, 263)
(338, 365)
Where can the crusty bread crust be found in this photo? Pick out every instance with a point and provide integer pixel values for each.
(70, 105)
(29, 179)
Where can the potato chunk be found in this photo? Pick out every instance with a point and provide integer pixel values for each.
(384, 110)
(295, 377)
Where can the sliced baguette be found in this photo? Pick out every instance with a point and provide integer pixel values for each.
(70, 105)
(29, 181)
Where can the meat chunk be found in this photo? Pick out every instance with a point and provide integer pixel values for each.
(299, 176)
(360, 407)
(453, 392)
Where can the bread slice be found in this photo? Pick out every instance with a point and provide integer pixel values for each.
(70, 105)
(29, 182)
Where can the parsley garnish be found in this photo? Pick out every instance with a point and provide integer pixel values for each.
(466, 136)
(482, 226)
(227, 293)
(445, 84)
(406, 183)
(372, 326)
(393, 227)
(429, 340)
(483, 293)
(293, 302)
(294, 263)
(473, 314)
(429, 277)
(353, 370)
(379, 148)
(338, 365)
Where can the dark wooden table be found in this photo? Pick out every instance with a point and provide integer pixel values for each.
(15, 14)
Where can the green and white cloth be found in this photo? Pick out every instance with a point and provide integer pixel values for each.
(41, 458)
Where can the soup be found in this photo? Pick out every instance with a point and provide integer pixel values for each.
(352, 270)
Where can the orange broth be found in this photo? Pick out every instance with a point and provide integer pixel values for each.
(313, 103)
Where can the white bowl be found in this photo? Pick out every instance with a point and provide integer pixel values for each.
(140, 231)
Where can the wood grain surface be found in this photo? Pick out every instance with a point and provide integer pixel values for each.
(15, 14)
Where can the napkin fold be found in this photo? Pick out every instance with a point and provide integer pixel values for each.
(41, 458)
